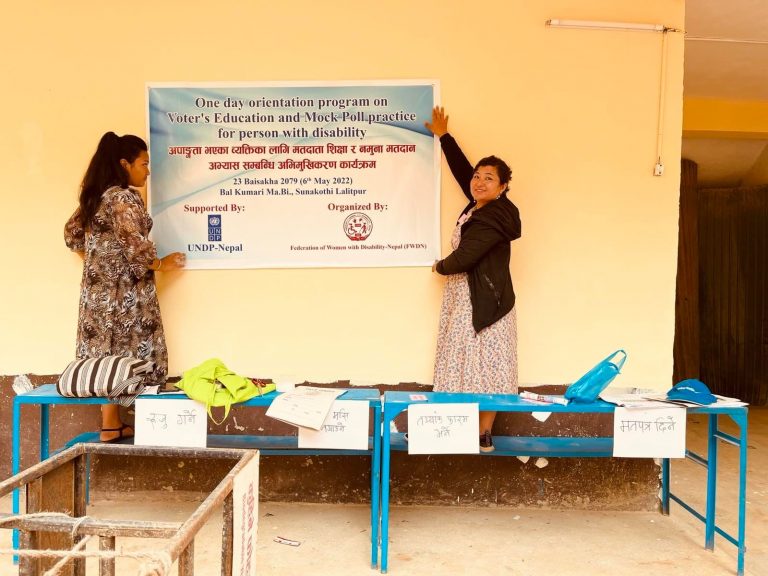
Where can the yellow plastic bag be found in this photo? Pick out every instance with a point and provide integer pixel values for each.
(213, 384)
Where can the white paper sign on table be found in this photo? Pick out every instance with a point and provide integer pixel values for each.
(170, 422)
(306, 406)
(649, 433)
(443, 429)
(345, 427)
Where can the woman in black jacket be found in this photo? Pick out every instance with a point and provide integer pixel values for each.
(477, 338)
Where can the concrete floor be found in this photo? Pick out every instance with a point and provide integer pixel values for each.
(491, 541)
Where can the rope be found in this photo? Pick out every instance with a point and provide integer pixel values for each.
(75, 526)
(9, 519)
(160, 566)
(56, 568)
(157, 563)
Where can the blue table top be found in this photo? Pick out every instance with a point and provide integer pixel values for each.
(47, 394)
(514, 403)
(501, 402)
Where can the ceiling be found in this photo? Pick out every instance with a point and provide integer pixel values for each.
(732, 70)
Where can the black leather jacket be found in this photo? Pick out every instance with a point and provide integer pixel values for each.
(484, 250)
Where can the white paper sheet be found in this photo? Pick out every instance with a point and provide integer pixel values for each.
(346, 427)
(306, 406)
(170, 422)
(629, 397)
(652, 433)
(443, 429)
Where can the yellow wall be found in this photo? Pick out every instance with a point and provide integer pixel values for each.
(731, 120)
(709, 118)
(574, 111)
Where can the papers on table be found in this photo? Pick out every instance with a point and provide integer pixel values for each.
(645, 398)
(722, 401)
(648, 424)
(306, 406)
(629, 397)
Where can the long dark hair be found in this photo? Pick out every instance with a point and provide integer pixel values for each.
(105, 171)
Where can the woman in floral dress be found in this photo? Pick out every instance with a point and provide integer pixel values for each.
(119, 312)
(477, 336)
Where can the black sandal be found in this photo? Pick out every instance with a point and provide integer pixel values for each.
(120, 434)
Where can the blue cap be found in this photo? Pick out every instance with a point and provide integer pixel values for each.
(691, 390)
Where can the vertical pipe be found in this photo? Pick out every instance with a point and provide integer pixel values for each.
(709, 525)
(15, 459)
(742, 492)
(375, 484)
(44, 431)
(385, 455)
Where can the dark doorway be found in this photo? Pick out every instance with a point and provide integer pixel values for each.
(721, 316)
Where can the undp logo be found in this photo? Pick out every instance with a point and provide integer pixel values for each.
(214, 227)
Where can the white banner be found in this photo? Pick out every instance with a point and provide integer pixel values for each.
(276, 175)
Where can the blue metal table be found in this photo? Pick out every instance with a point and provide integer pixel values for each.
(577, 447)
(46, 395)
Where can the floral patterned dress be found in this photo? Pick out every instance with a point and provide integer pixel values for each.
(119, 311)
(465, 361)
